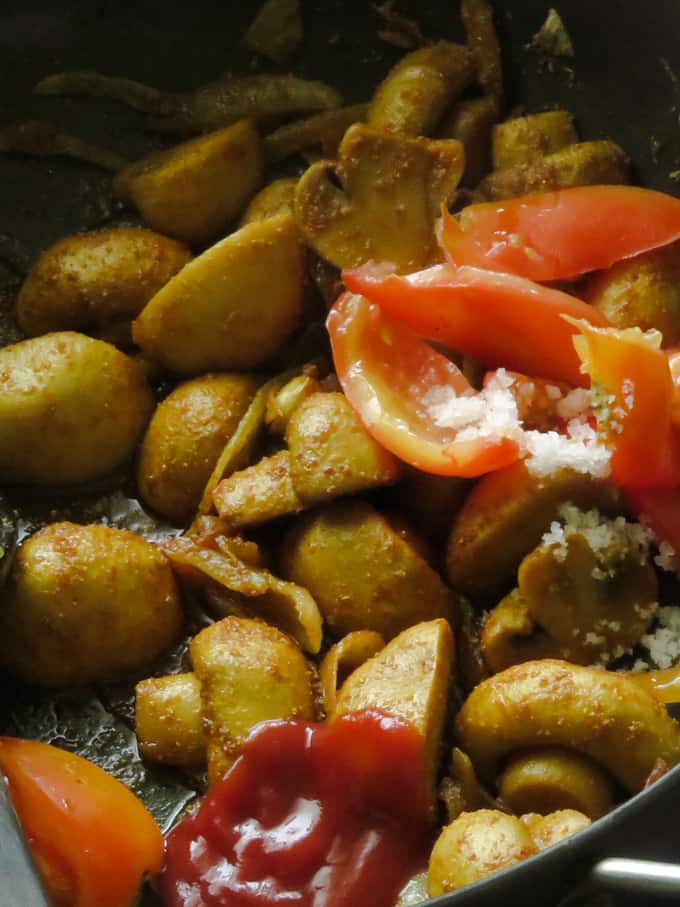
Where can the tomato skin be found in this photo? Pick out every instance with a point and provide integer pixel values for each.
(92, 839)
(387, 373)
(636, 418)
(499, 319)
(561, 235)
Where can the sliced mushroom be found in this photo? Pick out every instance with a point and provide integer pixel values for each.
(390, 193)
(410, 678)
(225, 309)
(194, 190)
(249, 672)
(418, 90)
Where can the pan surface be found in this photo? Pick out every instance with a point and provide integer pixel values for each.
(623, 83)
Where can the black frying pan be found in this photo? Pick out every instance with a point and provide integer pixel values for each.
(622, 84)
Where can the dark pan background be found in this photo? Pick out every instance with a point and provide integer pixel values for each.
(624, 84)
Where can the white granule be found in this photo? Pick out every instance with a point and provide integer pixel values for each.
(663, 644)
(609, 539)
(491, 413)
(579, 450)
(594, 639)
(574, 404)
(666, 557)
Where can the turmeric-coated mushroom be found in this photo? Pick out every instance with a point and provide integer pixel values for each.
(185, 437)
(362, 574)
(86, 604)
(503, 519)
(249, 672)
(232, 307)
(601, 714)
(474, 846)
(641, 292)
(410, 678)
(168, 720)
(87, 281)
(194, 190)
(582, 164)
(71, 409)
(420, 88)
(380, 200)
(546, 778)
(523, 139)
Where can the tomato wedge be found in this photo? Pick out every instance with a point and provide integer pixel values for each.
(500, 319)
(413, 400)
(92, 839)
(635, 400)
(560, 235)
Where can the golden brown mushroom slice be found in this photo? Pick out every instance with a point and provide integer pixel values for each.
(601, 714)
(258, 494)
(511, 636)
(471, 122)
(194, 190)
(582, 164)
(390, 194)
(185, 437)
(42, 139)
(226, 309)
(594, 593)
(168, 720)
(545, 779)
(239, 448)
(277, 197)
(258, 97)
(415, 94)
(362, 574)
(277, 30)
(249, 672)
(331, 453)
(523, 139)
(322, 130)
(230, 565)
(342, 659)
(503, 519)
(410, 678)
(478, 21)
(641, 292)
(460, 790)
(90, 280)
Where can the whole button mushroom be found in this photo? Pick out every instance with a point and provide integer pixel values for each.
(86, 604)
(71, 409)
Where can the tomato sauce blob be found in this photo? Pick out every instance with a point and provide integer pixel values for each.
(315, 815)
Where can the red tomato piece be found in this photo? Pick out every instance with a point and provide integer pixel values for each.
(312, 815)
(659, 508)
(92, 839)
(500, 319)
(397, 382)
(560, 235)
(633, 378)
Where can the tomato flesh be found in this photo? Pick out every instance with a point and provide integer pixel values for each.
(561, 235)
(499, 319)
(634, 412)
(92, 839)
(394, 381)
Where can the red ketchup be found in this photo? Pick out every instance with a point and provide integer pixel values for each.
(315, 815)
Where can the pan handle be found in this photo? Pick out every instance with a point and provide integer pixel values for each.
(644, 877)
(20, 884)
